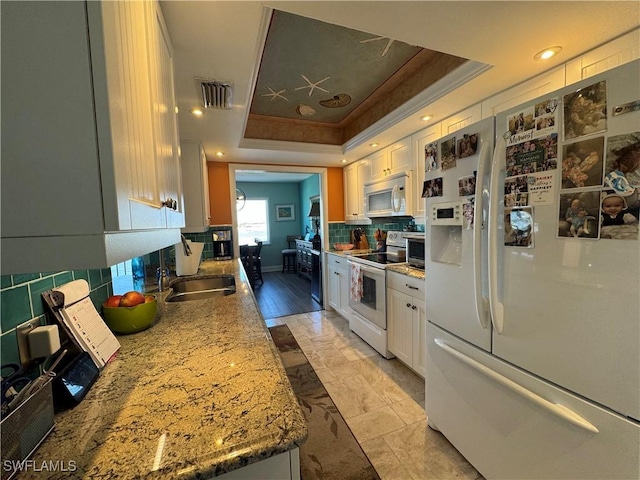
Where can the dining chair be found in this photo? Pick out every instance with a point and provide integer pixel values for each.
(257, 261)
(252, 262)
(289, 254)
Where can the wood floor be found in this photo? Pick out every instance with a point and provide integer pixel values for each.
(284, 294)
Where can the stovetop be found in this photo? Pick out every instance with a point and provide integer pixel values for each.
(381, 258)
(395, 254)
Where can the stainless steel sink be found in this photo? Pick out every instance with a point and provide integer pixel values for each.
(186, 289)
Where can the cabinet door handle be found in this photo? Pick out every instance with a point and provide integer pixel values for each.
(170, 203)
(411, 286)
(408, 305)
(413, 307)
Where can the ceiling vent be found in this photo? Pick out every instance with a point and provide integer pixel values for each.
(215, 94)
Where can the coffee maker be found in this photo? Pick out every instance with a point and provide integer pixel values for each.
(222, 245)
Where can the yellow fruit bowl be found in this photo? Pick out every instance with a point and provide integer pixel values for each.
(130, 319)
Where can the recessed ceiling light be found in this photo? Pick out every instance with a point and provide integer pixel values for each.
(424, 118)
(547, 53)
(219, 154)
(197, 112)
(374, 144)
(344, 160)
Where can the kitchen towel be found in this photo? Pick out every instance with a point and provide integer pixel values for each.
(356, 282)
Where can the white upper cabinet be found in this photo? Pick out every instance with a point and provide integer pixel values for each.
(462, 119)
(420, 140)
(355, 176)
(89, 135)
(393, 159)
(195, 178)
(524, 92)
(622, 50)
(165, 119)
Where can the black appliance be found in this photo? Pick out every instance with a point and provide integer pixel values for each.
(222, 245)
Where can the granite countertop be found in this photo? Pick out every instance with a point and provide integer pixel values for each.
(406, 269)
(200, 393)
(347, 253)
(403, 268)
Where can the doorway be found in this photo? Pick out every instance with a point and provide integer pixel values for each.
(293, 203)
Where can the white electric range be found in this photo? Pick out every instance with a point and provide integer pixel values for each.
(367, 296)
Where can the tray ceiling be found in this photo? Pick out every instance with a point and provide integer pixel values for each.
(324, 83)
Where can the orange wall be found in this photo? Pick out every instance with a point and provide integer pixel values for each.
(335, 189)
(219, 195)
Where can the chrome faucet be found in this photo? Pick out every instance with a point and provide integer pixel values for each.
(162, 273)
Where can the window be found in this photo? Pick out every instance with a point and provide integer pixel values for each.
(253, 221)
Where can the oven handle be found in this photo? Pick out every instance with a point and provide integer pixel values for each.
(373, 270)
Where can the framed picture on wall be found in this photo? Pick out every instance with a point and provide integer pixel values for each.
(285, 213)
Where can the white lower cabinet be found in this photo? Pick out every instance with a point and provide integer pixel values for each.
(285, 466)
(338, 280)
(407, 320)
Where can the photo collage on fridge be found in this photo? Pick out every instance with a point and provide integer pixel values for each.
(450, 151)
(598, 190)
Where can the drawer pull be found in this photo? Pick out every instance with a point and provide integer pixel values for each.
(411, 286)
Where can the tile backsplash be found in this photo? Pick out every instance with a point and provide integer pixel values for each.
(21, 301)
(204, 237)
(340, 232)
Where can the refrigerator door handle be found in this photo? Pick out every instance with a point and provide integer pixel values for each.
(478, 221)
(495, 189)
(558, 410)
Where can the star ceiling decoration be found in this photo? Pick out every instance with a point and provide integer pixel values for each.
(386, 48)
(275, 94)
(312, 86)
(323, 83)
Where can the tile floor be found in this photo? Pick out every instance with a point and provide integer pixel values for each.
(381, 400)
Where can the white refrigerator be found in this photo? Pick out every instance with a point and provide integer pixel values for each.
(533, 285)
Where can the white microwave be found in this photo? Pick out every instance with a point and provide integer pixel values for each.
(390, 197)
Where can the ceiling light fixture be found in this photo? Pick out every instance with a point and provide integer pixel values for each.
(425, 118)
(344, 160)
(547, 53)
(373, 145)
(197, 112)
(219, 154)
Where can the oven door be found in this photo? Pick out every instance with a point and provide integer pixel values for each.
(367, 293)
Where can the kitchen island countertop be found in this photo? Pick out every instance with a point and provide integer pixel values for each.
(200, 393)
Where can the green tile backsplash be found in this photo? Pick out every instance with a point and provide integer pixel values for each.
(207, 239)
(341, 232)
(20, 300)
